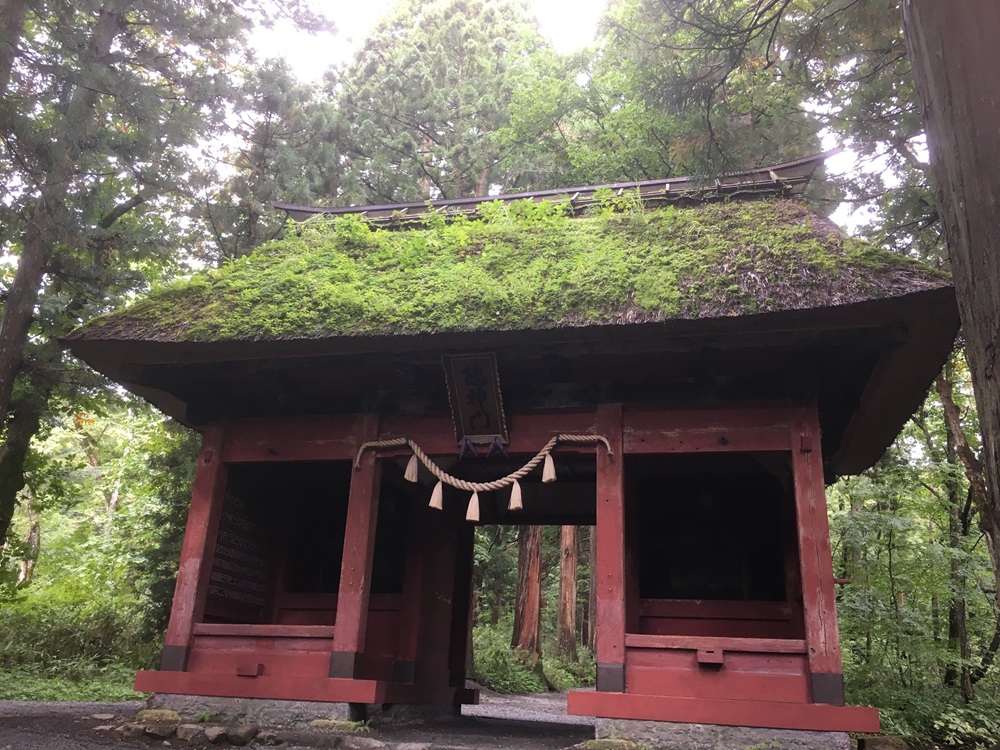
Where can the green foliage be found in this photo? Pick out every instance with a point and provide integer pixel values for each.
(528, 266)
(498, 666)
(69, 682)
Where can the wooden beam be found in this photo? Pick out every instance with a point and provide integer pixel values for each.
(610, 535)
(356, 568)
(740, 713)
(819, 604)
(694, 643)
(198, 549)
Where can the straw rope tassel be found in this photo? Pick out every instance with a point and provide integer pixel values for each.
(515, 497)
(437, 496)
(412, 466)
(549, 469)
(472, 514)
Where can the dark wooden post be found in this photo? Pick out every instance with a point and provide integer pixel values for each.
(826, 680)
(610, 534)
(359, 546)
(404, 670)
(198, 550)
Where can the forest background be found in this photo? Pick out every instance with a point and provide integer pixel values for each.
(142, 141)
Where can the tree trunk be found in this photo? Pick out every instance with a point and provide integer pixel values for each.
(12, 16)
(952, 47)
(567, 593)
(528, 608)
(958, 630)
(18, 310)
(26, 416)
(32, 541)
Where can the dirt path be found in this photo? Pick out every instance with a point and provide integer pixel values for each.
(532, 722)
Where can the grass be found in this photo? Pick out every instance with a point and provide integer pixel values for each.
(58, 682)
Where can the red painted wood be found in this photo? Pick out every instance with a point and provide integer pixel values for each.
(327, 438)
(461, 604)
(359, 545)
(610, 535)
(432, 666)
(736, 661)
(816, 562)
(215, 661)
(715, 609)
(413, 584)
(758, 645)
(749, 713)
(528, 432)
(716, 440)
(763, 629)
(775, 416)
(199, 538)
(265, 686)
(268, 631)
(716, 682)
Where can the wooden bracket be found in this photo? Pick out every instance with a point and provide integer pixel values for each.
(711, 656)
(806, 445)
(249, 670)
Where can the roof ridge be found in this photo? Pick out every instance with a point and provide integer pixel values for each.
(785, 179)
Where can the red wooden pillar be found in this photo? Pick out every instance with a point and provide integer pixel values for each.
(610, 535)
(826, 680)
(198, 549)
(359, 546)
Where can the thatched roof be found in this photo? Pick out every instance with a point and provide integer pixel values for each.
(523, 266)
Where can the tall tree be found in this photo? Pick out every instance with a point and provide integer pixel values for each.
(100, 101)
(528, 608)
(426, 94)
(950, 46)
(566, 621)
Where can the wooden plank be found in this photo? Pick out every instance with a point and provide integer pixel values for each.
(215, 661)
(708, 418)
(750, 713)
(717, 682)
(359, 546)
(716, 440)
(818, 599)
(268, 631)
(326, 438)
(265, 686)
(461, 605)
(757, 645)
(528, 432)
(198, 548)
(710, 609)
(685, 660)
(610, 536)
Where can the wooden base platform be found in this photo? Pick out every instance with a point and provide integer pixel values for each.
(765, 714)
(300, 688)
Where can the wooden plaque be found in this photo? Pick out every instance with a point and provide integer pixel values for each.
(474, 392)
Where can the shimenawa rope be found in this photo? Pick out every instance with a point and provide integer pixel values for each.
(511, 480)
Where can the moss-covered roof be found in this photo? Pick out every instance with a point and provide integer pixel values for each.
(523, 266)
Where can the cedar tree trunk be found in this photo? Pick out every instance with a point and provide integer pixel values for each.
(528, 608)
(953, 49)
(567, 592)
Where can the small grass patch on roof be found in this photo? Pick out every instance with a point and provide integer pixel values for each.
(524, 266)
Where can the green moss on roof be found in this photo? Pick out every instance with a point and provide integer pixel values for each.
(527, 266)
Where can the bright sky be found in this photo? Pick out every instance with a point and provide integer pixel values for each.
(569, 24)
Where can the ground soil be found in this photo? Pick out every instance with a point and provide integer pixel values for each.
(518, 722)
